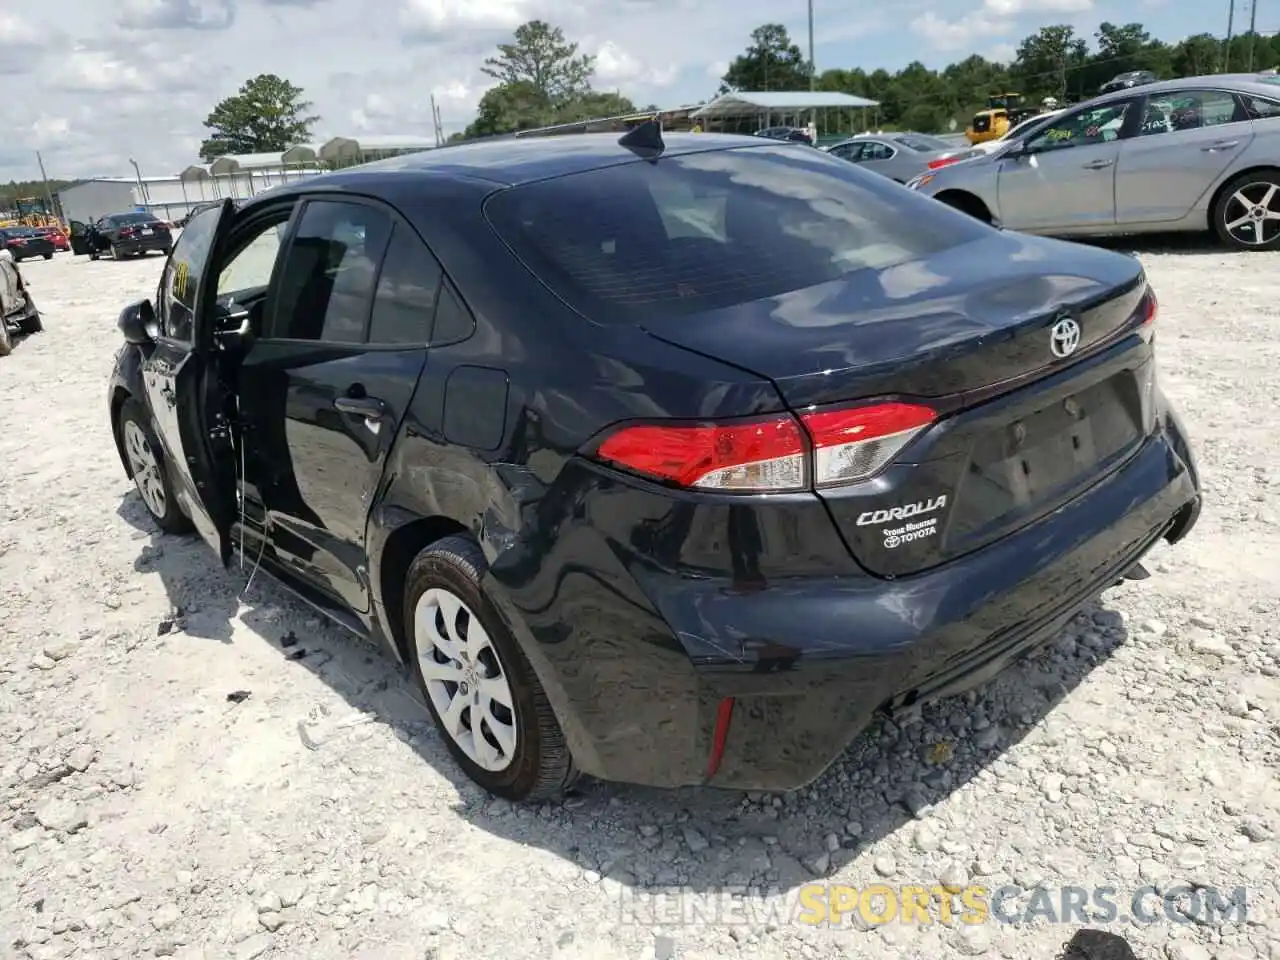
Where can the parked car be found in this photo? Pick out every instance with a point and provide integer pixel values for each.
(1181, 155)
(57, 236)
(121, 235)
(668, 462)
(898, 156)
(25, 243)
(1124, 81)
(18, 314)
(795, 134)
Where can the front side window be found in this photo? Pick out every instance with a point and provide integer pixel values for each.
(1189, 110)
(875, 150)
(329, 272)
(700, 232)
(1082, 128)
(179, 285)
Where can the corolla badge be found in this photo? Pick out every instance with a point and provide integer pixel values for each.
(1064, 337)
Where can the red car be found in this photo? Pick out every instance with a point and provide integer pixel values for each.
(56, 236)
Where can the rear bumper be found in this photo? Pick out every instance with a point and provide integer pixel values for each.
(637, 661)
(143, 244)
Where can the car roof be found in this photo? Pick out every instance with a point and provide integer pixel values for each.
(1244, 82)
(511, 161)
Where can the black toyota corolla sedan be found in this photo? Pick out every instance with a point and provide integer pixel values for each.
(667, 461)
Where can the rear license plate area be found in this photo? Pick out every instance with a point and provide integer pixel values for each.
(1039, 459)
(147, 231)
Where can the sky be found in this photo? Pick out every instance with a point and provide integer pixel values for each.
(91, 84)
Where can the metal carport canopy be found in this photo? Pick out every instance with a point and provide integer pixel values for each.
(748, 104)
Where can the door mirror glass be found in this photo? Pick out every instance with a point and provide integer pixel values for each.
(138, 323)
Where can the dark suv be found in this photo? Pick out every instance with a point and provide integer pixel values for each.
(121, 235)
(665, 461)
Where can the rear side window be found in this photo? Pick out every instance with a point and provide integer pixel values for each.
(705, 231)
(1259, 108)
(406, 296)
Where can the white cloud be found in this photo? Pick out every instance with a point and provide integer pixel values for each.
(972, 32)
(436, 16)
(177, 14)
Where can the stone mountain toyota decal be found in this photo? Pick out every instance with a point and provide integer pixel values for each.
(912, 529)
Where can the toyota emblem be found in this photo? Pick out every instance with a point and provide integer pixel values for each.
(1064, 337)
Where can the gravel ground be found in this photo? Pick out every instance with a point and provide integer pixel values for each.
(151, 808)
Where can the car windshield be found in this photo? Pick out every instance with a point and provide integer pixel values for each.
(715, 229)
(922, 144)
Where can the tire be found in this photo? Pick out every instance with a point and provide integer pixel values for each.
(1230, 208)
(135, 422)
(965, 203)
(6, 342)
(93, 254)
(32, 324)
(48, 256)
(115, 253)
(446, 576)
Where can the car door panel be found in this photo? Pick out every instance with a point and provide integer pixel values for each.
(183, 390)
(325, 414)
(1060, 189)
(1161, 174)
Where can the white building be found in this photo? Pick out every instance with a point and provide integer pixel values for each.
(238, 176)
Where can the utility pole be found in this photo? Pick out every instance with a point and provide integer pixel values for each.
(813, 67)
(1231, 22)
(1253, 32)
(435, 119)
(48, 196)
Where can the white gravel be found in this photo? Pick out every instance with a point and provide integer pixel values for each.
(146, 813)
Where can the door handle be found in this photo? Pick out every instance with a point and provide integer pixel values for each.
(1221, 145)
(371, 408)
(1098, 164)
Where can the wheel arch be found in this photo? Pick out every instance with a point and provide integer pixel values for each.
(119, 396)
(402, 544)
(1222, 188)
(965, 202)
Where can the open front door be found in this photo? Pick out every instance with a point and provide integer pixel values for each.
(79, 238)
(189, 405)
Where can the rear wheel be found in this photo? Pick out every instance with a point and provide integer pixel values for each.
(6, 342)
(1246, 215)
(483, 694)
(115, 253)
(48, 256)
(149, 468)
(31, 324)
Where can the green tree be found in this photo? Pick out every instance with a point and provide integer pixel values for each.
(541, 62)
(1046, 59)
(267, 115)
(1197, 55)
(771, 62)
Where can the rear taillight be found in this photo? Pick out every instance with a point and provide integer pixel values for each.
(857, 443)
(1148, 308)
(941, 162)
(127, 231)
(777, 454)
(752, 456)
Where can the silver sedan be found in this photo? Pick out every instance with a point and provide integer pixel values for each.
(1181, 155)
(898, 156)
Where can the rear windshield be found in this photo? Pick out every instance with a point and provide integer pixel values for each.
(125, 218)
(923, 144)
(704, 231)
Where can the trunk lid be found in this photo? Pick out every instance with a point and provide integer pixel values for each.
(968, 332)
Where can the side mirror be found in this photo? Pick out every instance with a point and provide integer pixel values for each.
(138, 323)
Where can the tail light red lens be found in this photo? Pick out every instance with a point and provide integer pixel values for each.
(765, 455)
(941, 162)
(1151, 306)
(854, 444)
(777, 454)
